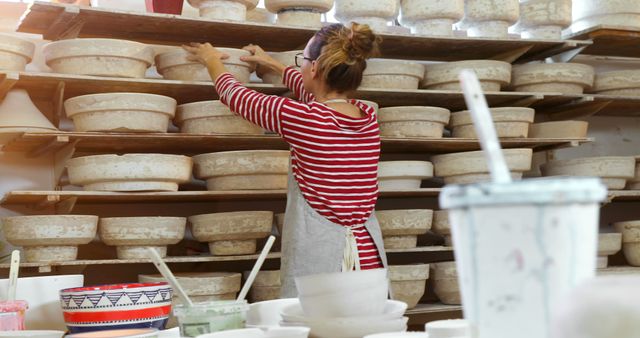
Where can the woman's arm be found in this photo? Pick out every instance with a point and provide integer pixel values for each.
(263, 110)
(291, 77)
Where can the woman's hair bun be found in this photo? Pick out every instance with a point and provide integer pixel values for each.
(360, 42)
(341, 53)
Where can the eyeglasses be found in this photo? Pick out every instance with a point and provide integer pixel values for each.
(300, 57)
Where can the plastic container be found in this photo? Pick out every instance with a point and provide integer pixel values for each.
(211, 317)
(12, 315)
(520, 248)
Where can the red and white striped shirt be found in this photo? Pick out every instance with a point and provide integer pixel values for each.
(334, 157)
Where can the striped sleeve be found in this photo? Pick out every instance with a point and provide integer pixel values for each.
(261, 109)
(293, 80)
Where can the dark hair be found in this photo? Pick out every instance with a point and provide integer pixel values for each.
(341, 54)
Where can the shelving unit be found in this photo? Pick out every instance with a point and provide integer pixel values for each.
(59, 21)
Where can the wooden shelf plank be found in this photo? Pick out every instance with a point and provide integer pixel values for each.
(175, 143)
(559, 106)
(422, 249)
(176, 30)
(184, 259)
(620, 270)
(196, 259)
(433, 308)
(43, 85)
(624, 195)
(39, 198)
(610, 40)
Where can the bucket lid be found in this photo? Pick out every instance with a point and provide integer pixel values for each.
(529, 191)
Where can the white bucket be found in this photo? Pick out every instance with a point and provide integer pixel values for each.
(520, 248)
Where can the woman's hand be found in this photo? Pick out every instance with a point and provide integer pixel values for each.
(263, 62)
(204, 53)
(209, 57)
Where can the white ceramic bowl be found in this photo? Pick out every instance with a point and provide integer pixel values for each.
(32, 334)
(267, 313)
(366, 301)
(43, 296)
(393, 309)
(330, 282)
(348, 328)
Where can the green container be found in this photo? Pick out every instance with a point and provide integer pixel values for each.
(211, 317)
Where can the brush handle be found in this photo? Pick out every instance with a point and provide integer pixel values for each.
(256, 268)
(168, 275)
(13, 275)
(484, 127)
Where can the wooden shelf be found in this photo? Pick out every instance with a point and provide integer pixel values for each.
(44, 86)
(48, 266)
(43, 199)
(58, 21)
(421, 249)
(620, 270)
(560, 107)
(433, 308)
(36, 144)
(624, 195)
(610, 40)
(427, 312)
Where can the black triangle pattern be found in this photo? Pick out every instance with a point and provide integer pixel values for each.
(134, 296)
(114, 297)
(94, 299)
(66, 299)
(78, 300)
(151, 294)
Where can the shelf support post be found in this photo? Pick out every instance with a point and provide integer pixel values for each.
(58, 104)
(60, 159)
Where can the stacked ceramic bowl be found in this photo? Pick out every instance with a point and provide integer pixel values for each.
(344, 305)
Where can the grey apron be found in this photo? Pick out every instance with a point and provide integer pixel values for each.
(311, 244)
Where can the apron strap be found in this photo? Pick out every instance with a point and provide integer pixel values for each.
(351, 258)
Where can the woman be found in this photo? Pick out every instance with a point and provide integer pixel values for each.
(335, 149)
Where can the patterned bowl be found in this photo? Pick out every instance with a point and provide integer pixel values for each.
(117, 306)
